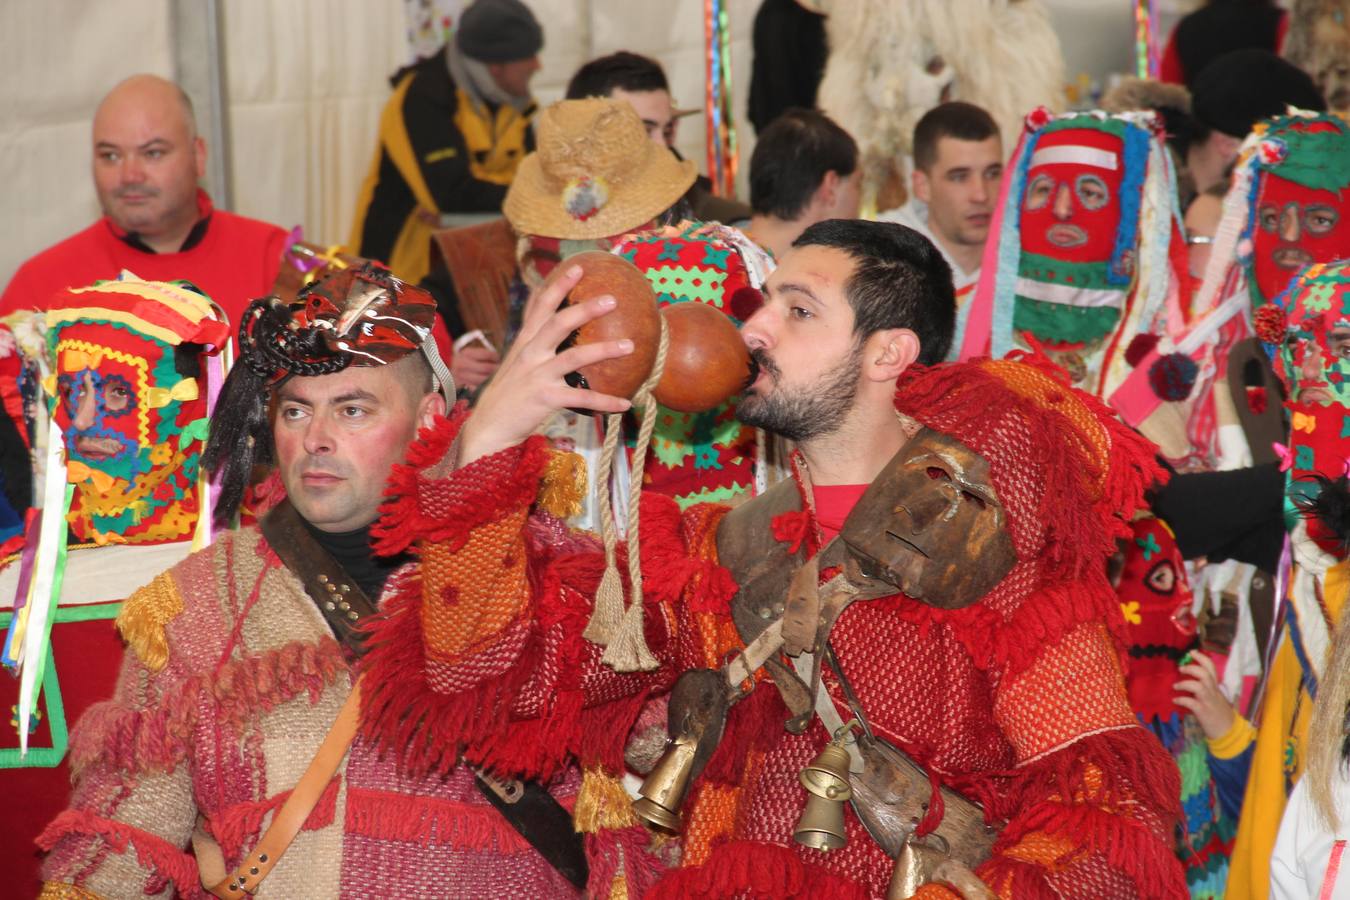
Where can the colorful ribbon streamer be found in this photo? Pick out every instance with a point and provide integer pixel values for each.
(1148, 58)
(720, 130)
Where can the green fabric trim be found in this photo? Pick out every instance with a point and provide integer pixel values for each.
(1316, 160)
(1063, 324)
(50, 757)
(44, 757)
(1090, 122)
(87, 612)
(1089, 275)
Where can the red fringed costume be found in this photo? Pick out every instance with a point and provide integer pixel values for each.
(1016, 701)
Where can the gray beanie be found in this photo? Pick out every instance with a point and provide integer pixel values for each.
(496, 31)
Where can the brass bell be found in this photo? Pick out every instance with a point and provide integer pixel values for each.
(662, 792)
(821, 825)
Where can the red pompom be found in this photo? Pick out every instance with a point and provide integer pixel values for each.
(1140, 347)
(1270, 324)
(1173, 376)
(1037, 119)
(746, 302)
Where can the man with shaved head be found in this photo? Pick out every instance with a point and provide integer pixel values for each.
(156, 221)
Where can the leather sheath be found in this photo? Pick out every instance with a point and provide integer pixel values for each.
(541, 820)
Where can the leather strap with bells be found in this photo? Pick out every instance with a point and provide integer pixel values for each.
(289, 819)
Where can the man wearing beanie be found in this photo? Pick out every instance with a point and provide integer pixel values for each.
(451, 136)
(1230, 95)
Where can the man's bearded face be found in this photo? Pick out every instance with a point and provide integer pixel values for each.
(939, 533)
(1071, 208)
(1295, 226)
(800, 413)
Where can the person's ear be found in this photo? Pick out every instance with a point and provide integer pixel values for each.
(199, 156)
(431, 406)
(922, 186)
(827, 192)
(888, 353)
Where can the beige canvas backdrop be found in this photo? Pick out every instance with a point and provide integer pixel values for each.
(306, 82)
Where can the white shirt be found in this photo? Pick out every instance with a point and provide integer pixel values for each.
(1301, 863)
(914, 214)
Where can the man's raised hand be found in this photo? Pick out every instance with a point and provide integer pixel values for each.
(529, 386)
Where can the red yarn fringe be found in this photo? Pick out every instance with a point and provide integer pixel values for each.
(431, 822)
(482, 492)
(754, 723)
(117, 737)
(1126, 812)
(401, 712)
(753, 870)
(1086, 502)
(152, 851)
(241, 823)
(622, 851)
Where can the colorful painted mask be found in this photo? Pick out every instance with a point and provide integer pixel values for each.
(1085, 228)
(1301, 208)
(1071, 209)
(1155, 601)
(127, 392)
(1308, 330)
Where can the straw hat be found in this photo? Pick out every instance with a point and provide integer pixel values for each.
(595, 174)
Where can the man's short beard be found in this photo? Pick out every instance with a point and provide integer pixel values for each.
(811, 413)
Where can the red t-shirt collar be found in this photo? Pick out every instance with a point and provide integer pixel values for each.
(204, 209)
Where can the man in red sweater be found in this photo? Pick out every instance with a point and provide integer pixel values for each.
(156, 221)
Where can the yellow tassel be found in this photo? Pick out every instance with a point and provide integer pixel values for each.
(564, 484)
(602, 803)
(144, 618)
(619, 891)
(627, 650)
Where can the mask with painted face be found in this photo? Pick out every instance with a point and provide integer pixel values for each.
(127, 391)
(1301, 206)
(932, 524)
(1155, 602)
(1075, 229)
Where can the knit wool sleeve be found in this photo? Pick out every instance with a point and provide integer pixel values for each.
(131, 812)
(1093, 800)
(484, 653)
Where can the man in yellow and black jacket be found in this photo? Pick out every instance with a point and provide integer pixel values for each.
(451, 135)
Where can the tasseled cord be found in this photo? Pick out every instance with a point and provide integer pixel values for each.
(620, 632)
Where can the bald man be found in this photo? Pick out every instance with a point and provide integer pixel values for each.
(147, 158)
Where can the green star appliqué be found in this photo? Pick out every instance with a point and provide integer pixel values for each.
(1149, 545)
(714, 257)
(670, 252)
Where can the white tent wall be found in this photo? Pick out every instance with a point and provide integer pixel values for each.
(306, 82)
(60, 57)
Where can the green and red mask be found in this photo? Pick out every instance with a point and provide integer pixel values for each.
(708, 456)
(1300, 204)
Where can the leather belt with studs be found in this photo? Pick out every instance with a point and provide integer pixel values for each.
(340, 599)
